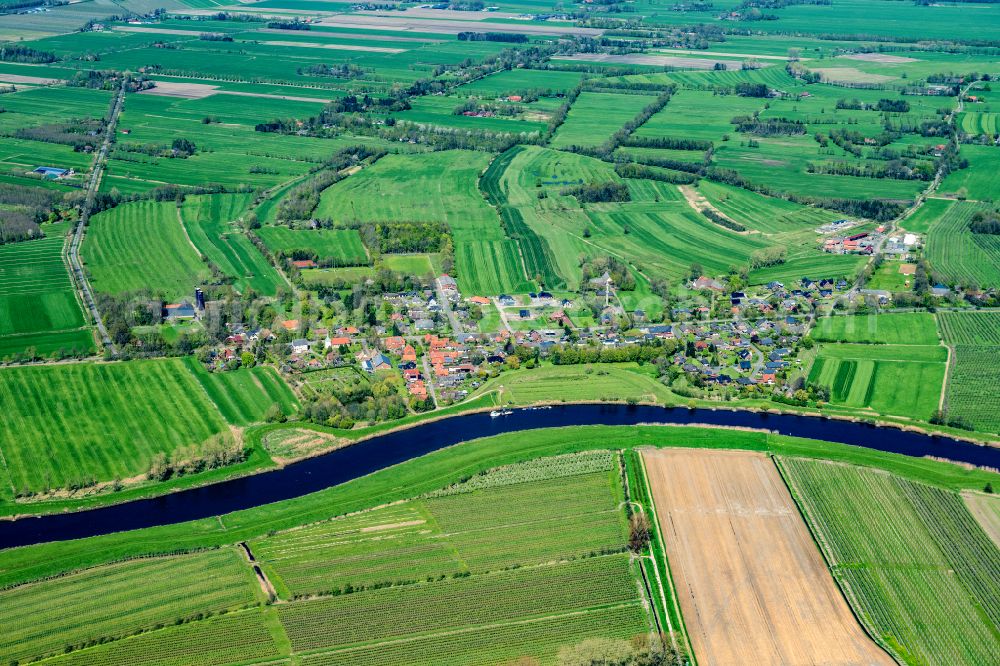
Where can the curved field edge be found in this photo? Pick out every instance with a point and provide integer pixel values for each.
(442, 468)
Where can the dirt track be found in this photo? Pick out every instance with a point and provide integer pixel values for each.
(752, 585)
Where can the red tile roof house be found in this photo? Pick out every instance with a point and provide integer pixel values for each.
(336, 342)
(395, 343)
(418, 389)
(409, 354)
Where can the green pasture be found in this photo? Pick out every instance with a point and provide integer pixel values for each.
(142, 245)
(343, 246)
(898, 380)
(212, 223)
(77, 424)
(910, 328)
(244, 396)
(594, 117)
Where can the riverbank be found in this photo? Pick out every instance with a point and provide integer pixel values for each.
(260, 460)
(395, 477)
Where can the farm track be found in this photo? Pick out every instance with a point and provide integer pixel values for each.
(100, 161)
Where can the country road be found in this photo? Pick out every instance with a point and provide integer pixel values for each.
(100, 159)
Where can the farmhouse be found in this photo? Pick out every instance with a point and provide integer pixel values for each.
(182, 310)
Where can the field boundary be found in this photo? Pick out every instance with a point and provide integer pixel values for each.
(823, 547)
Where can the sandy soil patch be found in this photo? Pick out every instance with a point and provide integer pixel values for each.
(183, 90)
(850, 75)
(752, 585)
(986, 510)
(723, 54)
(28, 80)
(907, 269)
(884, 58)
(336, 47)
(649, 59)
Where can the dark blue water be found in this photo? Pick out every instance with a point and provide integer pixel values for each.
(377, 453)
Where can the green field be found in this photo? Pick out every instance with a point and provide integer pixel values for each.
(973, 384)
(83, 423)
(544, 541)
(911, 328)
(961, 256)
(244, 396)
(38, 303)
(436, 187)
(910, 557)
(580, 383)
(970, 328)
(118, 600)
(341, 246)
(209, 221)
(142, 246)
(896, 380)
(594, 117)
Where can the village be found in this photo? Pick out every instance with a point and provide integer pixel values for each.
(427, 348)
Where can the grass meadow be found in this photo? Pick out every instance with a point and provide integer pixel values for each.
(594, 117)
(142, 245)
(435, 187)
(244, 395)
(898, 380)
(38, 303)
(72, 425)
(210, 223)
(909, 328)
(343, 246)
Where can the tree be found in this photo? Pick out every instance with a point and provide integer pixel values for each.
(274, 414)
(638, 532)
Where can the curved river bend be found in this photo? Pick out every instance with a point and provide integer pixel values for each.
(389, 449)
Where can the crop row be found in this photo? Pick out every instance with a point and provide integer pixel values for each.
(230, 639)
(462, 602)
(910, 556)
(974, 385)
(118, 600)
(970, 328)
(496, 645)
(536, 470)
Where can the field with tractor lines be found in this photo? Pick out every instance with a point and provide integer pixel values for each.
(209, 220)
(142, 245)
(119, 600)
(752, 585)
(102, 421)
(910, 557)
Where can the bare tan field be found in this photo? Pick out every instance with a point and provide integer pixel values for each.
(336, 47)
(28, 80)
(752, 585)
(884, 58)
(178, 89)
(850, 75)
(651, 59)
(986, 510)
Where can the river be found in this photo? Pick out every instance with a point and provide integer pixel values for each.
(389, 449)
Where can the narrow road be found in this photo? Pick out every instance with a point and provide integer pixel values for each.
(456, 325)
(73, 255)
(429, 380)
(503, 315)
